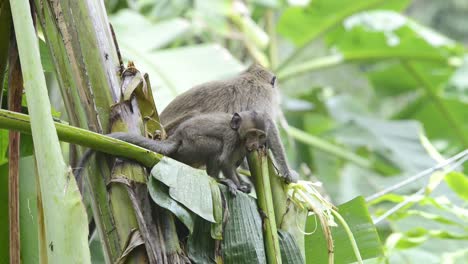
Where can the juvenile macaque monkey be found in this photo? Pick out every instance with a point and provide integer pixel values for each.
(252, 90)
(218, 141)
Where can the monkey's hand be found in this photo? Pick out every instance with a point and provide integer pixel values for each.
(290, 176)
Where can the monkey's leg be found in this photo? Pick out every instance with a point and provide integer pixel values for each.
(212, 168)
(243, 186)
(231, 179)
(274, 143)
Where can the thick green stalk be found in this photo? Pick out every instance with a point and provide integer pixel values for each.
(258, 165)
(61, 199)
(328, 147)
(20, 122)
(350, 57)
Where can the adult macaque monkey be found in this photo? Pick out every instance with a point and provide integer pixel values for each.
(218, 141)
(252, 90)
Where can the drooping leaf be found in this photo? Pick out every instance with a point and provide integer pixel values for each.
(243, 237)
(290, 253)
(356, 215)
(188, 186)
(201, 247)
(160, 195)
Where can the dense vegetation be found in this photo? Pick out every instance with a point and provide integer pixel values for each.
(373, 100)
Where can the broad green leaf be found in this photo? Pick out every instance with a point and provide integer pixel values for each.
(398, 141)
(200, 245)
(160, 195)
(188, 186)
(134, 31)
(459, 183)
(172, 71)
(243, 237)
(435, 123)
(356, 215)
(290, 253)
(301, 24)
(387, 34)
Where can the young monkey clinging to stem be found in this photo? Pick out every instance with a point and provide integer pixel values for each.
(252, 90)
(218, 141)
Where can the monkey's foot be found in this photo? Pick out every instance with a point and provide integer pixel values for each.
(244, 187)
(231, 185)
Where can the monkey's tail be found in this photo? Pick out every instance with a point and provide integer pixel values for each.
(165, 147)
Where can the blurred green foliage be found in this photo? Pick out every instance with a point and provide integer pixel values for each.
(380, 83)
(365, 76)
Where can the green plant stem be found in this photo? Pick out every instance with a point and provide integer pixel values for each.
(328, 147)
(439, 104)
(364, 56)
(327, 25)
(271, 30)
(259, 168)
(352, 240)
(20, 122)
(64, 215)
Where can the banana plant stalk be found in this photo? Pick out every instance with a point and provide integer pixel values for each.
(258, 165)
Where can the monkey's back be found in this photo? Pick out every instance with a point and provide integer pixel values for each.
(250, 90)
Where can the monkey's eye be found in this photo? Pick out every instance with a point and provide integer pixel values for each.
(273, 81)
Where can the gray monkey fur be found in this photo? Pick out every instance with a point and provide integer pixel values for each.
(254, 89)
(218, 141)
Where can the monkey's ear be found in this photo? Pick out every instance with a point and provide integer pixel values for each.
(236, 121)
(273, 81)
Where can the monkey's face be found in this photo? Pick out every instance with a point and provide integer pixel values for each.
(255, 139)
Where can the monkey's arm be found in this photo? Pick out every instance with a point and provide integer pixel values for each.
(274, 143)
